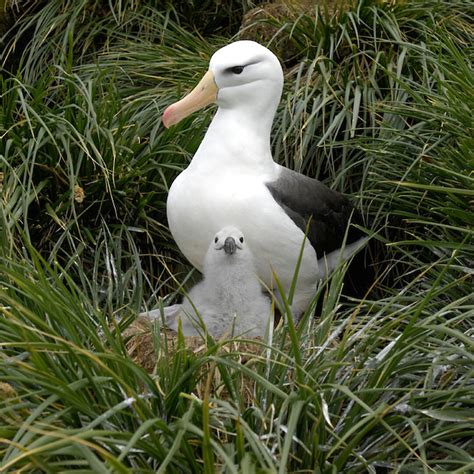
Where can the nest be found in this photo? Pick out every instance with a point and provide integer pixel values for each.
(142, 346)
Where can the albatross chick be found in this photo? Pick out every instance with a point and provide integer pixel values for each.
(229, 300)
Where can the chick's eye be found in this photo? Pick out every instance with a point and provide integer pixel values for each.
(215, 240)
(237, 69)
(241, 240)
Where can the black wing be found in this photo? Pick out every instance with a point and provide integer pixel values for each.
(304, 198)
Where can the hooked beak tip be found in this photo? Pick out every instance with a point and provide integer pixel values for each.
(203, 94)
(167, 118)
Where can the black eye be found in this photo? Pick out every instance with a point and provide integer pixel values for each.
(241, 240)
(237, 69)
(215, 240)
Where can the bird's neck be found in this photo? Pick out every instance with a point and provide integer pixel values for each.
(237, 137)
(229, 273)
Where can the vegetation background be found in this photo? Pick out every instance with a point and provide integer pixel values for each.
(378, 103)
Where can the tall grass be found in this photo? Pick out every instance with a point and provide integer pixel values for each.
(378, 103)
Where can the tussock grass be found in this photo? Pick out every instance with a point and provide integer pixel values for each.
(378, 103)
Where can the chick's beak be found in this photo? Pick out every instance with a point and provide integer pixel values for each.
(229, 246)
(203, 94)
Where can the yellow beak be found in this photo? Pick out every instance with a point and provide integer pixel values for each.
(203, 94)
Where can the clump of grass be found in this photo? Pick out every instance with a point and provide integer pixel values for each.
(384, 385)
(81, 149)
(62, 33)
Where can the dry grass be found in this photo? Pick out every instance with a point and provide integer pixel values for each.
(142, 348)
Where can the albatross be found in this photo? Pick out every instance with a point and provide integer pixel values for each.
(233, 180)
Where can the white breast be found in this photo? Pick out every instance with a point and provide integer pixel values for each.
(199, 206)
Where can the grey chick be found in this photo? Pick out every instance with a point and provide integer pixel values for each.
(229, 300)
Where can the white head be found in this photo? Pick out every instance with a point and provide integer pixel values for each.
(247, 74)
(229, 240)
(242, 75)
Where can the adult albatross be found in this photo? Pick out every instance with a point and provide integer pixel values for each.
(233, 180)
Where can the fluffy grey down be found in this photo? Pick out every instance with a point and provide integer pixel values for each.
(229, 300)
